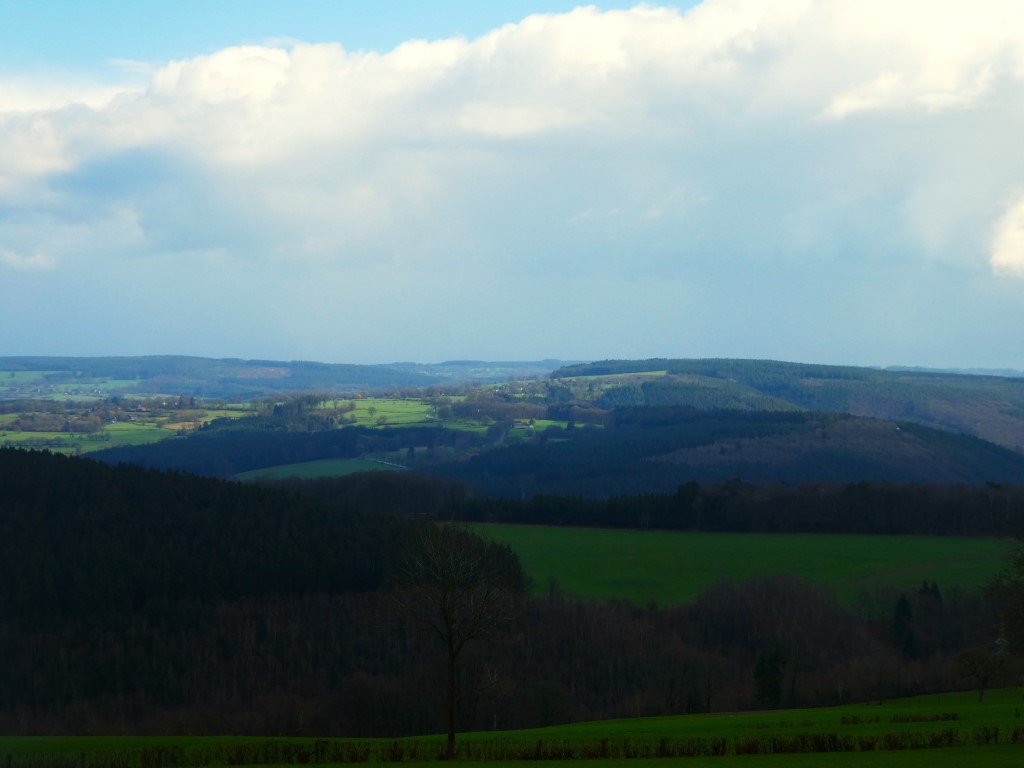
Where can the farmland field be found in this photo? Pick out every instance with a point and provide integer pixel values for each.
(129, 433)
(15, 379)
(881, 734)
(672, 567)
(124, 433)
(395, 412)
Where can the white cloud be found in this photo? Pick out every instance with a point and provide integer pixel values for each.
(822, 137)
(1007, 257)
(23, 95)
(31, 263)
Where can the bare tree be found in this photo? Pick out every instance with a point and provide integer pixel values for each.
(461, 588)
(982, 666)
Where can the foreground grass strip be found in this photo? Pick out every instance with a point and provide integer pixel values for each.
(951, 729)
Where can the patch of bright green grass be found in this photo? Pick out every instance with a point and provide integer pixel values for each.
(121, 433)
(320, 468)
(62, 442)
(672, 567)
(118, 384)
(17, 378)
(226, 413)
(130, 433)
(396, 412)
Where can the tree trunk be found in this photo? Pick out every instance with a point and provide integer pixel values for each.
(449, 751)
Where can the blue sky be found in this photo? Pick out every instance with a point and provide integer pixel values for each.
(810, 180)
(82, 35)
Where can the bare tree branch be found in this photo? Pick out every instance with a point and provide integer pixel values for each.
(461, 588)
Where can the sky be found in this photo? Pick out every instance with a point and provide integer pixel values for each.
(366, 182)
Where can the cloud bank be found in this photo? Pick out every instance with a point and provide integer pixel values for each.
(586, 184)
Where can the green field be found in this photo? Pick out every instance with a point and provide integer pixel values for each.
(143, 428)
(131, 433)
(19, 378)
(896, 733)
(395, 412)
(121, 433)
(58, 385)
(320, 468)
(672, 567)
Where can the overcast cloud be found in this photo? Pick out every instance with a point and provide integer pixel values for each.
(822, 181)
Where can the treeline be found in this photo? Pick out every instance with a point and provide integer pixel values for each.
(731, 507)
(338, 665)
(857, 508)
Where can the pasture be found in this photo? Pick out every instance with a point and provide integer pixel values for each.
(146, 426)
(951, 729)
(672, 567)
(121, 433)
(395, 412)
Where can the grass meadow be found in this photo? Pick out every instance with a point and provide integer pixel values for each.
(672, 567)
(319, 468)
(942, 730)
(121, 433)
(396, 412)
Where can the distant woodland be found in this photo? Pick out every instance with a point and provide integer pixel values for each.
(147, 601)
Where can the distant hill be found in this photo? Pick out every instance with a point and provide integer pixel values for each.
(656, 449)
(591, 429)
(989, 407)
(33, 377)
(1011, 373)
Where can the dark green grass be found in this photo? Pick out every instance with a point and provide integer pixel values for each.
(319, 468)
(672, 567)
(1002, 756)
(881, 723)
(129, 433)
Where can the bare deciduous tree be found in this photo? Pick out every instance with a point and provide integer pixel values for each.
(461, 588)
